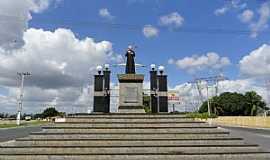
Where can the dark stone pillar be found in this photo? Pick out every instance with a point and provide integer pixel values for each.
(98, 94)
(162, 93)
(153, 91)
(106, 74)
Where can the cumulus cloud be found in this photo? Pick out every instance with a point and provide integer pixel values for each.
(232, 4)
(256, 63)
(246, 16)
(104, 13)
(261, 24)
(150, 31)
(191, 100)
(221, 11)
(59, 62)
(198, 63)
(14, 17)
(172, 20)
(56, 59)
(242, 86)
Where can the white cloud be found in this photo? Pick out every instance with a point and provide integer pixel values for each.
(56, 59)
(173, 20)
(191, 100)
(197, 63)
(60, 65)
(242, 86)
(104, 13)
(256, 63)
(14, 17)
(246, 16)
(221, 11)
(261, 24)
(232, 4)
(149, 31)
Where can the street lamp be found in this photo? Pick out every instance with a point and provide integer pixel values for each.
(161, 69)
(99, 69)
(107, 67)
(153, 67)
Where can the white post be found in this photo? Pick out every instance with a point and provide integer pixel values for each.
(20, 100)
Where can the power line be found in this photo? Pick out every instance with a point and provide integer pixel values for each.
(136, 27)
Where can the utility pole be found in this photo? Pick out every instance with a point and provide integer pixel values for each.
(268, 96)
(210, 81)
(20, 100)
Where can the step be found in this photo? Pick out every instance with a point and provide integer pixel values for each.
(158, 156)
(82, 127)
(132, 130)
(128, 115)
(128, 119)
(132, 124)
(109, 135)
(115, 136)
(125, 142)
(128, 149)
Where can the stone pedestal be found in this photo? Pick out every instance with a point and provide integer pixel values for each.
(131, 93)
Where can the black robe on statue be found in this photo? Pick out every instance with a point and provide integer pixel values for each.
(130, 64)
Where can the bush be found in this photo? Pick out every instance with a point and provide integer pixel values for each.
(201, 115)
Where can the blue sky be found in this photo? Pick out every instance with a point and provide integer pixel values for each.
(80, 16)
(62, 41)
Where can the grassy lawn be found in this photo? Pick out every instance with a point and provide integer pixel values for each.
(11, 124)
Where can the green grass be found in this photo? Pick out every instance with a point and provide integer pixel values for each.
(201, 115)
(12, 124)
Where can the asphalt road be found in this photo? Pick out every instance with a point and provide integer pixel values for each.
(13, 133)
(253, 136)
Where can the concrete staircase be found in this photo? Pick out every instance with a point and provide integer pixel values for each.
(131, 137)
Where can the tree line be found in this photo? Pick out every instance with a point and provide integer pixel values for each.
(235, 104)
(48, 112)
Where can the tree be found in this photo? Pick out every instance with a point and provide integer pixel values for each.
(253, 103)
(235, 104)
(146, 103)
(50, 112)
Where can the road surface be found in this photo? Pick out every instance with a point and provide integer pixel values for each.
(12, 133)
(253, 136)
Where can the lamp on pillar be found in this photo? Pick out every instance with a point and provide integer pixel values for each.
(161, 69)
(99, 69)
(102, 90)
(162, 90)
(158, 87)
(153, 89)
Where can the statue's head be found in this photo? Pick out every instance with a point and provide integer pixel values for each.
(130, 49)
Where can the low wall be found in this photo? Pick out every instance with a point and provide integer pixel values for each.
(254, 122)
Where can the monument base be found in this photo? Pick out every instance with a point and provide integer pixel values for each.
(131, 109)
(130, 93)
